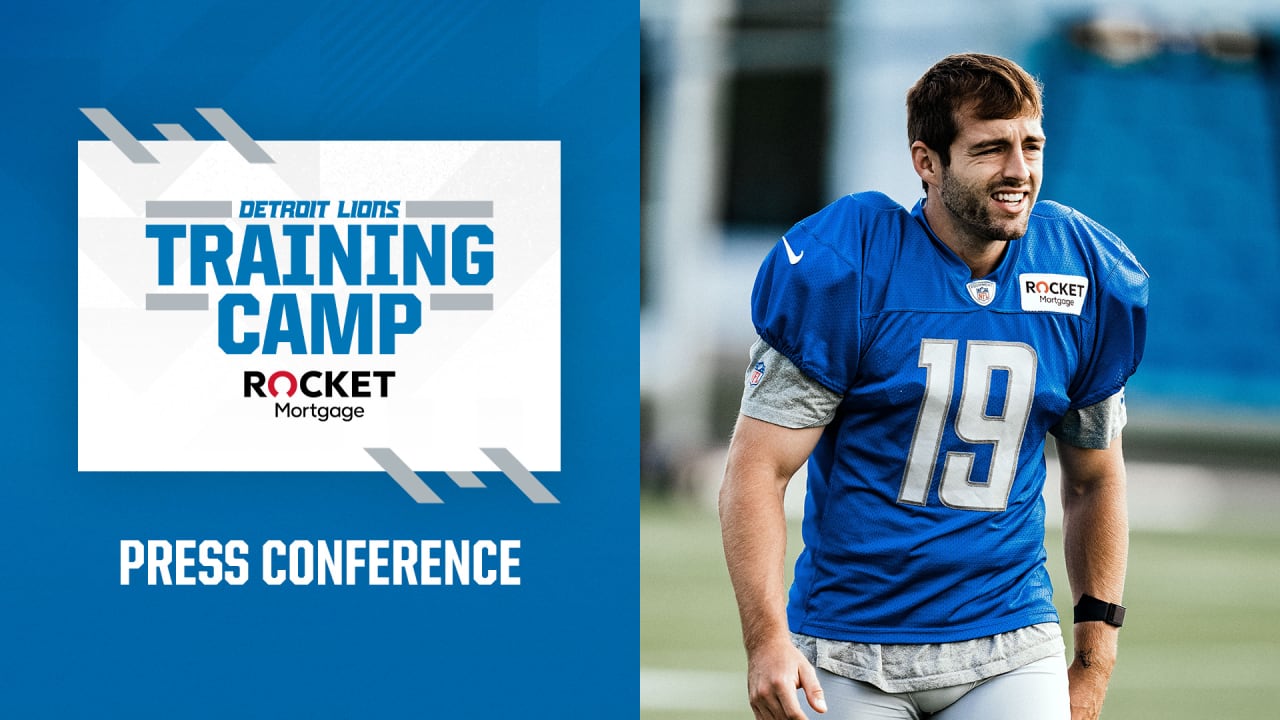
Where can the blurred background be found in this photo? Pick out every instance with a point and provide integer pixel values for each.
(1163, 120)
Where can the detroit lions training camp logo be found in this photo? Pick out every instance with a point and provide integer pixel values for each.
(255, 305)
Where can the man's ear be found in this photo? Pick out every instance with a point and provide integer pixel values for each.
(928, 164)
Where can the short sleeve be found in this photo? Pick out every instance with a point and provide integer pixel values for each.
(1120, 329)
(1093, 427)
(776, 391)
(805, 303)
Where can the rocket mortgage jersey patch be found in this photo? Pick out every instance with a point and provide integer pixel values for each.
(1053, 293)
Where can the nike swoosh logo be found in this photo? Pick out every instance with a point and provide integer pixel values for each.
(791, 254)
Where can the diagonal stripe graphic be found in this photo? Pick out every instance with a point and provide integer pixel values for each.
(239, 139)
(408, 479)
(174, 132)
(519, 475)
(464, 479)
(118, 135)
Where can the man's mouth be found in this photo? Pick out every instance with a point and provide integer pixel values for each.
(1012, 201)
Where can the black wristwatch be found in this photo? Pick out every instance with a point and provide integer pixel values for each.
(1091, 608)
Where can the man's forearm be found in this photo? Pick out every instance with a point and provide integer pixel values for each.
(762, 459)
(1096, 542)
(754, 531)
(1096, 539)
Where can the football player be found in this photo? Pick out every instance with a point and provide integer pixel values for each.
(917, 359)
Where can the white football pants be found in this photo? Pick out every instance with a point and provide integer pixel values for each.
(1035, 691)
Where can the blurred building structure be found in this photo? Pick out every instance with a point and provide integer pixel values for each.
(1163, 121)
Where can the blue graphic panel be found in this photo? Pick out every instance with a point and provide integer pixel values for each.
(78, 642)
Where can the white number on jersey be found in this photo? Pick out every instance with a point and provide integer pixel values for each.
(1004, 432)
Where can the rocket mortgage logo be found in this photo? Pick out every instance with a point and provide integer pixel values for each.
(253, 305)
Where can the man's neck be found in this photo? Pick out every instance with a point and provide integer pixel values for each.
(981, 255)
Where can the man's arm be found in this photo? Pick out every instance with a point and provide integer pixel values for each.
(762, 459)
(1096, 539)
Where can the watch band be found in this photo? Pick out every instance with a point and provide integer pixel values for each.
(1091, 609)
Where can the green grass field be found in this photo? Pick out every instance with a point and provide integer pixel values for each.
(1202, 640)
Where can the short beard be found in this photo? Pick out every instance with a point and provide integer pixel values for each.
(969, 208)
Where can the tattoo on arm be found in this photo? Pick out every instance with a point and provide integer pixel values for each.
(1085, 657)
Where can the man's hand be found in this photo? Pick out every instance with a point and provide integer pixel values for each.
(774, 671)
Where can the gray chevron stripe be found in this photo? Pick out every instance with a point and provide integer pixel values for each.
(464, 479)
(239, 139)
(174, 132)
(519, 475)
(414, 484)
(401, 473)
(118, 135)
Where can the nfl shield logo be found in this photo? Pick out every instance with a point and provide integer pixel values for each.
(757, 372)
(982, 291)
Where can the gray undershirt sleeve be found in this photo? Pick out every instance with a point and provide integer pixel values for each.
(778, 392)
(1095, 426)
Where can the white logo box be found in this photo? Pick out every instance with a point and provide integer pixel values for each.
(157, 393)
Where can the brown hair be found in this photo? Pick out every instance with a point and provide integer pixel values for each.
(990, 87)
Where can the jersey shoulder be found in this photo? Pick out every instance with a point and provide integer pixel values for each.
(1108, 259)
(812, 282)
(1117, 304)
(855, 229)
(854, 212)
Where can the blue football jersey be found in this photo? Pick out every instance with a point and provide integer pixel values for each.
(924, 520)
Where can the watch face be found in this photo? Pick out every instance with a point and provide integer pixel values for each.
(1115, 615)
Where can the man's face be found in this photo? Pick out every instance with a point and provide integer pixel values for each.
(994, 176)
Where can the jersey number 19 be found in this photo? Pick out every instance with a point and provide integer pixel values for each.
(1003, 431)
